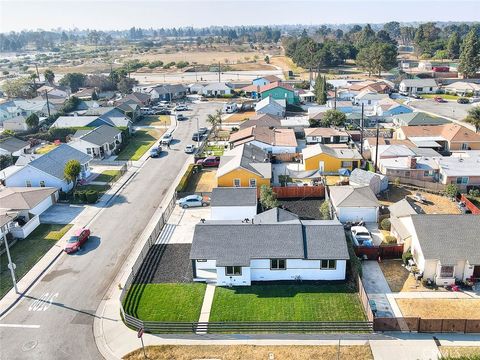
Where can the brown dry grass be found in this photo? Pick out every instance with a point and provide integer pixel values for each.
(239, 117)
(199, 56)
(440, 308)
(203, 181)
(457, 351)
(252, 66)
(436, 204)
(251, 352)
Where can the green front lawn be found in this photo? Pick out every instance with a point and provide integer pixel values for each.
(287, 303)
(108, 176)
(165, 302)
(138, 144)
(213, 150)
(154, 120)
(27, 252)
(443, 96)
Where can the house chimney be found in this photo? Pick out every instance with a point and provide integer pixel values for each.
(413, 162)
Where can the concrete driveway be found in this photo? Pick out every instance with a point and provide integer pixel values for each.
(377, 235)
(61, 214)
(377, 287)
(182, 223)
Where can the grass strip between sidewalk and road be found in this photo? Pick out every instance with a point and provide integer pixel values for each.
(27, 252)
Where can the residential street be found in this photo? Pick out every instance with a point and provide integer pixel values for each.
(55, 320)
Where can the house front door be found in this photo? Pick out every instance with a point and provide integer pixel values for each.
(321, 166)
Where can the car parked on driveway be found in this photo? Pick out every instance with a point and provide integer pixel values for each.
(193, 201)
(463, 101)
(167, 138)
(361, 236)
(75, 242)
(210, 161)
(190, 149)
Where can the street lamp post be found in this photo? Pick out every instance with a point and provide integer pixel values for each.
(11, 265)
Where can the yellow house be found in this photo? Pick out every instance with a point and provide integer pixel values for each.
(327, 159)
(244, 166)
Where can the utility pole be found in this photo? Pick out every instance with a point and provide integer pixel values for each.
(219, 72)
(361, 133)
(48, 104)
(376, 148)
(10, 265)
(335, 99)
(38, 74)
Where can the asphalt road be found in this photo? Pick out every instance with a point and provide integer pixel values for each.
(57, 315)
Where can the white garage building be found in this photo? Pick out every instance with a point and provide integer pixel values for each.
(354, 203)
(234, 203)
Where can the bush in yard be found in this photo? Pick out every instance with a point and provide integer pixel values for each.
(407, 256)
(389, 239)
(474, 192)
(325, 211)
(91, 196)
(385, 224)
(80, 195)
(451, 190)
(268, 198)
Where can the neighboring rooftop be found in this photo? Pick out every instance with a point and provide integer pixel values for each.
(98, 136)
(12, 144)
(276, 215)
(418, 119)
(339, 153)
(351, 196)
(19, 198)
(225, 196)
(248, 157)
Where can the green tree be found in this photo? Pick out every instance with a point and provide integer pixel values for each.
(267, 59)
(20, 87)
(470, 54)
(325, 211)
(125, 85)
(451, 190)
(268, 199)
(72, 170)
(5, 161)
(473, 117)
(333, 117)
(216, 121)
(49, 76)
(453, 45)
(320, 90)
(32, 121)
(74, 80)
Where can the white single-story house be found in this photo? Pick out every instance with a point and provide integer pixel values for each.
(352, 204)
(17, 123)
(463, 88)
(234, 203)
(100, 142)
(216, 89)
(13, 146)
(48, 170)
(276, 246)
(21, 208)
(376, 182)
(271, 106)
(369, 98)
(445, 247)
(418, 86)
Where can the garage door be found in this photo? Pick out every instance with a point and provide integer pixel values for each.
(357, 214)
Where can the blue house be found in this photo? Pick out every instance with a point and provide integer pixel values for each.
(265, 80)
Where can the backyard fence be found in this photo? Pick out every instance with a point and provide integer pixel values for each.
(417, 324)
(384, 252)
(470, 205)
(286, 192)
(364, 299)
(419, 184)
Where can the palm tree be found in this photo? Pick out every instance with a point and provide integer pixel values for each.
(473, 117)
(216, 121)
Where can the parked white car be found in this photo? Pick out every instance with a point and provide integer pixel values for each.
(361, 236)
(190, 149)
(167, 138)
(193, 201)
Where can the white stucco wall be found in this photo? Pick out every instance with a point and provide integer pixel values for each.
(224, 280)
(275, 149)
(306, 269)
(19, 179)
(233, 212)
(44, 205)
(366, 214)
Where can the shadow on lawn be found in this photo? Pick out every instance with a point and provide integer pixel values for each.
(275, 289)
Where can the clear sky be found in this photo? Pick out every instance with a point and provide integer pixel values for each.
(123, 14)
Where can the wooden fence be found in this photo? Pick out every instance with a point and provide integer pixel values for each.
(384, 252)
(286, 192)
(364, 300)
(420, 184)
(416, 324)
(470, 205)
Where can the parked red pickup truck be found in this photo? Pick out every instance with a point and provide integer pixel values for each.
(211, 161)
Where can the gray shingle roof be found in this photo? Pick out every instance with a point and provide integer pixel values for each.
(350, 196)
(53, 162)
(12, 144)
(401, 208)
(100, 135)
(234, 196)
(237, 244)
(276, 215)
(449, 238)
(419, 118)
(362, 177)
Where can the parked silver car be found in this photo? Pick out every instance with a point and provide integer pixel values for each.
(193, 201)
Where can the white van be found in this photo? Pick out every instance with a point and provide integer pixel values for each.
(230, 108)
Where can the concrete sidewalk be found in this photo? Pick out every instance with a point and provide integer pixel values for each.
(377, 287)
(404, 349)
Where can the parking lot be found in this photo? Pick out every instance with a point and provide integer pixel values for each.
(449, 109)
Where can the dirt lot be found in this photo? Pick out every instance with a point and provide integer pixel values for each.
(286, 64)
(307, 209)
(251, 352)
(436, 204)
(457, 351)
(440, 308)
(239, 117)
(204, 181)
(399, 279)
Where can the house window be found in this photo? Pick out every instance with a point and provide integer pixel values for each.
(89, 151)
(253, 183)
(28, 183)
(278, 264)
(236, 183)
(407, 173)
(328, 264)
(431, 89)
(233, 271)
(42, 183)
(446, 271)
(463, 180)
(465, 146)
(347, 164)
(419, 89)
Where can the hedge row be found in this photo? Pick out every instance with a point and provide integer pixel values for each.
(183, 184)
(87, 196)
